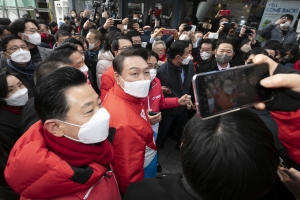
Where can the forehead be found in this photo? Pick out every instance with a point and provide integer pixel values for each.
(223, 19)
(134, 61)
(79, 95)
(206, 45)
(152, 59)
(136, 38)
(160, 46)
(16, 42)
(124, 42)
(225, 46)
(63, 37)
(11, 80)
(90, 34)
(42, 26)
(30, 25)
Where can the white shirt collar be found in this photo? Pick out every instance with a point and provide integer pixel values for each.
(220, 68)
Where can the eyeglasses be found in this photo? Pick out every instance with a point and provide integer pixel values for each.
(15, 48)
(153, 66)
(125, 47)
(159, 50)
(82, 52)
(33, 31)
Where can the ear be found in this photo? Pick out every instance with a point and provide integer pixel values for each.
(53, 127)
(233, 53)
(6, 55)
(117, 78)
(20, 35)
(215, 52)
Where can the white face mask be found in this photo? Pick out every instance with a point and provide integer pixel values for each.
(95, 130)
(184, 37)
(91, 46)
(33, 38)
(20, 56)
(153, 73)
(73, 15)
(285, 25)
(138, 89)
(186, 60)
(228, 90)
(19, 98)
(211, 105)
(84, 69)
(204, 55)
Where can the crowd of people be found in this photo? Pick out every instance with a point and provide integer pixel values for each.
(86, 106)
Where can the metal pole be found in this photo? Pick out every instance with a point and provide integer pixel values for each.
(17, 9)
(3, 6)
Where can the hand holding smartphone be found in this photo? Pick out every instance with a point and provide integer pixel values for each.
(230, 90)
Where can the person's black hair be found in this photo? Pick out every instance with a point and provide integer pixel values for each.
(73, 41)
(129, 52)
(2, 28)
(26, 16)
(235, 148)
(288, 16)
(156, 27)
(97, 34)
(208, 41)
(272, 48)
(187, 20)
(8, 38)
(115, 42)
(256, 51)
(109, 39)
(5, 21)
(72, 23)
(53, 24)
(66, 18)
(224, 41)
(274, 44)
(152, 53)
(41, 21)
(4, 72)
(45, 67)
(50, 99)
(133, 33)
(177, 48)
(61, 33)
(66, 27)
(19, 25)
(292, 48)
(281, 52)
(74, 11)
(63, 52)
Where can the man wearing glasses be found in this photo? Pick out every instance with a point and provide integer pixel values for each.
(28, 30)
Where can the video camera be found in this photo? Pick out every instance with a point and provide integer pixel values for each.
(96, 4)
(252, 25)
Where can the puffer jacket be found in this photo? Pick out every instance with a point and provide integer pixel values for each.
(105, 61)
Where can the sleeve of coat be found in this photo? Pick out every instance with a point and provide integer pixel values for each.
(129, 148)
(105, 86)
(266, 32)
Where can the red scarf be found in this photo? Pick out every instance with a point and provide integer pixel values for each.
(79, 154)
(14, 109)
(163, 58)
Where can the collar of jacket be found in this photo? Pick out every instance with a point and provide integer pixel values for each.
(175, 67)
(120, 92)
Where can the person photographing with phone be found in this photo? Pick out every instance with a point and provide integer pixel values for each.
(280, 30)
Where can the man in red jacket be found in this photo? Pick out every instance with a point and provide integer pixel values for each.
(65, 155)
(134, 145)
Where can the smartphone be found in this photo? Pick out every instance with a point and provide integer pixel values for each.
(228, 26)
(117, 21)
(282, 164)
(193, 28)
(153, 113)
(225, 12)
(131, 22)
(213, 36)
(221, 92)
(169, 32)
(92, 15)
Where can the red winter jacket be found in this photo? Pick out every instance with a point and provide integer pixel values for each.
(297, 65)
(134, 140)
(37, 173)
(107, 82)
(157, 100)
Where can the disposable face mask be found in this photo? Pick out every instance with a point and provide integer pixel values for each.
(153, 73)
(138, 89)
(228, 90)
(76, 24)
(211, 105)
(245, 48)
(95, 130)
(34, 38)
(84, 69)
(19, 98)
(222, 59)
(97, 17)
(204, 55)
(184, 37)
(285, 25)
(186, 60)
(21, 56)
(91, 46)
(73, 15)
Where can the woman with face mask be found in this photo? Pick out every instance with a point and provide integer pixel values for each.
(13, 96)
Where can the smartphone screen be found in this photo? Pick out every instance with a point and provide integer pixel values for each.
(213, 36)
(220, 92)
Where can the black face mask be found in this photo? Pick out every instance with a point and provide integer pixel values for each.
(137, 45)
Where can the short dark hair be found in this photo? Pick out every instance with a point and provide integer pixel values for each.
(18, 26)
(5, 21)
(2, 28)
(256, 51)
(115, 42)
(208, 41)
(41, 21)
(63, 52)
(224, 41)
(288, 16)
(45, 67)
(293, 48)
(82, 40)
(73, 41)
(4, 72)
(133, 33)
(235, 148)
(152, 53)
(66, 18)
(98, 34)
(129, 52)
(272, 48)
(274, 44)
(109, 39)
(177, 48)
(52, 24)
(52, 87)
(8, 38)
(66, 27)
(61, 33)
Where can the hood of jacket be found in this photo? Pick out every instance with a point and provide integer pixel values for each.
(105, 55)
